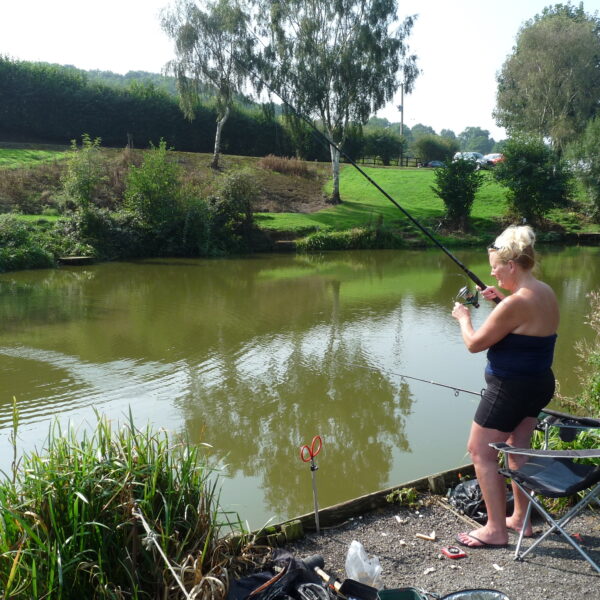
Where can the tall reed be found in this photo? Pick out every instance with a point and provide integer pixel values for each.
(83, 518)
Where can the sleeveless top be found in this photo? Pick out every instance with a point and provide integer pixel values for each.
(518, 355)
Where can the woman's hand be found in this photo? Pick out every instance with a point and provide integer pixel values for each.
(490, 292)
(460, 312)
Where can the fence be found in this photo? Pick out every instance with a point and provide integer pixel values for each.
(400, 161)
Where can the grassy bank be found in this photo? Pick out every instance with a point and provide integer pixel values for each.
(127, 513)
(285, 204)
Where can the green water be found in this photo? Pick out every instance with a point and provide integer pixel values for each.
(257, 355)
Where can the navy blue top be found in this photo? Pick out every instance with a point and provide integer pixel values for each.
(519, 355)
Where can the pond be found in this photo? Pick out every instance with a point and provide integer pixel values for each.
(256, 355)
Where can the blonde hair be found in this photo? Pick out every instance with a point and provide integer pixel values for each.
(516, 243)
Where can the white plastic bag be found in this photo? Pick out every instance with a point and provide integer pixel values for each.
(362, 568)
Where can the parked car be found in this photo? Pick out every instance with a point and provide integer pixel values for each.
(494, 159)
(435, 164)
(476, 157)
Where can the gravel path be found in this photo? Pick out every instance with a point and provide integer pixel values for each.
(554, 571)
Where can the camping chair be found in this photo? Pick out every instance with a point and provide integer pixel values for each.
(556, 474)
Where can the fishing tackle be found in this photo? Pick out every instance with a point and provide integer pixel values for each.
(466, 296)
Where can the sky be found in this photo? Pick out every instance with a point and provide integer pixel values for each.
(460, 44)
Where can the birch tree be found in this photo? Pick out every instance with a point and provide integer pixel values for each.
(212, 47)
(337, 61)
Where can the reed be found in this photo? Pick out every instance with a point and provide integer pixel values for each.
(115, 513)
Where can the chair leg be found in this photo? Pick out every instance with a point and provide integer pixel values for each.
(559, 525)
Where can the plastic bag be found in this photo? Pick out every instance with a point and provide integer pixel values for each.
(362, 568)
(467, 498)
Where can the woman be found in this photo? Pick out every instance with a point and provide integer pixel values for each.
(519, 335)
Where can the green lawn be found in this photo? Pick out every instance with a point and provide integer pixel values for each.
(12, 157)
(363, 203)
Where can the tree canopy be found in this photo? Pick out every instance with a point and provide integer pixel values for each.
(550, 84)
(337, 62)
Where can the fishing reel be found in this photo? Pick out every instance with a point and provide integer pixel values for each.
(466, 296)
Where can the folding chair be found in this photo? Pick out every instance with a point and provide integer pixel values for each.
(556, 474)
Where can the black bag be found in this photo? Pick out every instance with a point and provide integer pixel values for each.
(467, 498)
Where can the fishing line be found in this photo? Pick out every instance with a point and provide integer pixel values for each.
(402, 376)
(323, 138)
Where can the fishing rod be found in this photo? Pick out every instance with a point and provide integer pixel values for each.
(454, 388)
(323, 138)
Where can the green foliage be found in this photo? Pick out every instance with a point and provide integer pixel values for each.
(337, 61)
(152, 189)
(475, 139)
(536, 178)
(233, 220)
(213, 48)
(84, 173)
(383, 144)
(549, 85)
(405, 497)
(457, 184)
(357, 238)
(588, 401)
(19, 247)
(434, 147)
(71, 518)
(584, 155)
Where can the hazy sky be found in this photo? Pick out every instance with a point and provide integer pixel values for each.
(461, 45)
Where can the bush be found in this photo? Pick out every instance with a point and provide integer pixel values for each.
(84, 173)
(19, 248)
(457, 184)
(536, 178)
(358, 238)
(232, 217)
(152, 189)
(434, 147)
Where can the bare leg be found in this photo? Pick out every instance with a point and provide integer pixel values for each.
(520, 438)
(492, 486)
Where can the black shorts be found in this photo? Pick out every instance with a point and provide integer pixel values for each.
(506, 402)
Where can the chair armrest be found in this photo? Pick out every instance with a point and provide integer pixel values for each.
(508, 449)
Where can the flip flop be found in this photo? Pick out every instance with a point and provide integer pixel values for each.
(481, 542)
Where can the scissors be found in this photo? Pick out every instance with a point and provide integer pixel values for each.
(308, 453)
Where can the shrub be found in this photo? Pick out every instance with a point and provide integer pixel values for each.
(434, 147)
(457, 184)
(358, 238)
(287, 166)
(84, 173)
(536, 178)
(232, 217)
(152, 189)
(19, 248)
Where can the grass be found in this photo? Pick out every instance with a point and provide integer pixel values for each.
(364, 205)
(14, 158)
(86, 518)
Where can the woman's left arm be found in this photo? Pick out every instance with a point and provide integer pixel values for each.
(503, 319)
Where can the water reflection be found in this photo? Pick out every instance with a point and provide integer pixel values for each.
(257, 355)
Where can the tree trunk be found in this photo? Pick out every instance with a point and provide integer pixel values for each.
(215, 161)
(335, 172)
